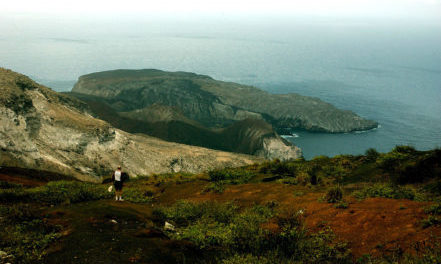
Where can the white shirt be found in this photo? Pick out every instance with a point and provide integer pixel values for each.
(117, 175)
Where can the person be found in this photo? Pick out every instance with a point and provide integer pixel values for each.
(118, 183)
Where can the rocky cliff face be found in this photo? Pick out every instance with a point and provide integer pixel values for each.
(44, 130)
(168, 123)
(216, 103)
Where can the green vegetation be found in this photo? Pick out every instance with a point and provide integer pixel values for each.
(387, 191)
(334, 195)
(239, 234)
(24, 234)
(238, 230)
(231, 176)
(56, 192)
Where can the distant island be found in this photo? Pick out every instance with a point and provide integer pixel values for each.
(198, 110)
(215, 103)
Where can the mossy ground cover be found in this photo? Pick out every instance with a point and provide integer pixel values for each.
(288, 212)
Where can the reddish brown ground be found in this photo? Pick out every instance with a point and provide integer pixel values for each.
(371, 226)
(20, 179)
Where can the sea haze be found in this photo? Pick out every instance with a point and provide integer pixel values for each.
(388, 72)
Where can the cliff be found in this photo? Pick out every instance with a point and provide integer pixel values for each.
(44, 130)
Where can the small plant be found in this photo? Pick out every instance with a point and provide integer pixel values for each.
(372, 155)
(434, 209)
(231, 175)
(341, 205)
(215, 187)
(431, 221)
(298, 193)
(334, 195)
(386, 191)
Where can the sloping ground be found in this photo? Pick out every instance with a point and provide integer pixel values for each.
(372, 226)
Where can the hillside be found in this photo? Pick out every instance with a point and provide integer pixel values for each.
(373, 208)
(215, 103)
(44, 130)
(248, 136)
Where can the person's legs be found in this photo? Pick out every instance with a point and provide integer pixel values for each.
(120, 194)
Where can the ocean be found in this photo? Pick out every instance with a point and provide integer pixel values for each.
(389, 71)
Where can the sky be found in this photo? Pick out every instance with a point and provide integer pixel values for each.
(415, 9)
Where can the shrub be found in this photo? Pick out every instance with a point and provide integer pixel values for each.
(431, 221)
(404, 149)
(57, 192)
(386, 191)
(434, 209)
(233, 176)
(241, 236)
(137, 195)
(9, 185)
(216, 187)
(24, 234)
(247, 259)
(341, 205)
(372, 154)
(313, 175)
(277, 167)
(335, 194)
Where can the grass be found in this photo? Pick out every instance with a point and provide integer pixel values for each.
(56, 192)
(24, 234)
(239, 234)
(387, 190)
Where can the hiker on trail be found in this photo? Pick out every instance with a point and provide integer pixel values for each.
(118, 183)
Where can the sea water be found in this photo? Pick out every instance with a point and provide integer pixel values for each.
(388, 72)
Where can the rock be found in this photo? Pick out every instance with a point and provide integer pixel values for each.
(3, 254)
(169, 227)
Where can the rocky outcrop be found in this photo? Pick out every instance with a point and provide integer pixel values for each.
(169, 123)
(41, 129)
(214, 103)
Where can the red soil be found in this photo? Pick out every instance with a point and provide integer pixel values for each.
(371, 226)
(18, 179)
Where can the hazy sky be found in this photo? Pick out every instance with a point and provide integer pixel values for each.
(422, 9)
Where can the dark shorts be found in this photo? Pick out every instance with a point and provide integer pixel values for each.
(118, 185)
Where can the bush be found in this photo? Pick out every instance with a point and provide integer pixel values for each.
(431, 221)
(233, 176)
(241, 236)
(341, 205)
(247, 259)
(137, 195)
(9, 185)
(372, 154)
(23, 233)
(216, 187)
(57, 192)
(335, 194)
(280, 168)
(386, 191)
(434, 209)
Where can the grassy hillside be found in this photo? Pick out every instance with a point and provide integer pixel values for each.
(373, 208)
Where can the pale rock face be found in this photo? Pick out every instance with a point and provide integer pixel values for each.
(276, 148)
(43, 130)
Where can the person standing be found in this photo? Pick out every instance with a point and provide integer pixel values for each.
(118, 183)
